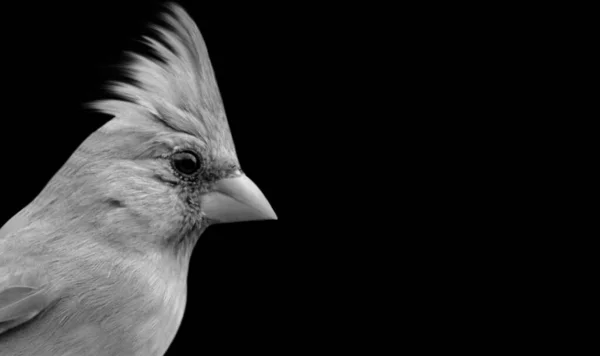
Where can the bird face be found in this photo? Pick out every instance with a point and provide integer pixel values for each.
(145, 185)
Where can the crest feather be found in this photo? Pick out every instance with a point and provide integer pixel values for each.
(180, 89)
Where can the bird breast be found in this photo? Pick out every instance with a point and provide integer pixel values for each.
(166, 299)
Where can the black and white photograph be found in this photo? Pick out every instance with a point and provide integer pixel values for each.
(158, 174)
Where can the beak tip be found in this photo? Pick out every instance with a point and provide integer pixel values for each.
(268, 213)
(273, 216)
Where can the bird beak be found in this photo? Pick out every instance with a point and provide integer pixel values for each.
(236, 199)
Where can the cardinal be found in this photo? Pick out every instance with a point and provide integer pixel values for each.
(97, 263)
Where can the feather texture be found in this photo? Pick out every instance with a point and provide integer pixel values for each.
(179, 90)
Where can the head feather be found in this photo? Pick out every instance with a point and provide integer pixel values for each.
(179, 90)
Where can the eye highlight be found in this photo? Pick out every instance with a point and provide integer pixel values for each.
(186, 162)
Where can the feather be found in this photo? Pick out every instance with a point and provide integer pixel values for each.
(22, 290)
(179, 90)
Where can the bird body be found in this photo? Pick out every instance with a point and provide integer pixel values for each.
(118, 302)
(97, 263)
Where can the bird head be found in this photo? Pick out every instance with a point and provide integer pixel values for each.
(165, 167)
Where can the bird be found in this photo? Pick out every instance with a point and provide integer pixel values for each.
(97, 263)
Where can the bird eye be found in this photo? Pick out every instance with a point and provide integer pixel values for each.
(186, 162)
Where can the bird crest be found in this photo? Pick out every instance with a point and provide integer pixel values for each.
(179, 90)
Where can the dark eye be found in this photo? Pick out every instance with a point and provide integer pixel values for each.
(186, 162)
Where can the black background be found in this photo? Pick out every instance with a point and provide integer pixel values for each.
(309, 130)
(340, 135)
(256, 286)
